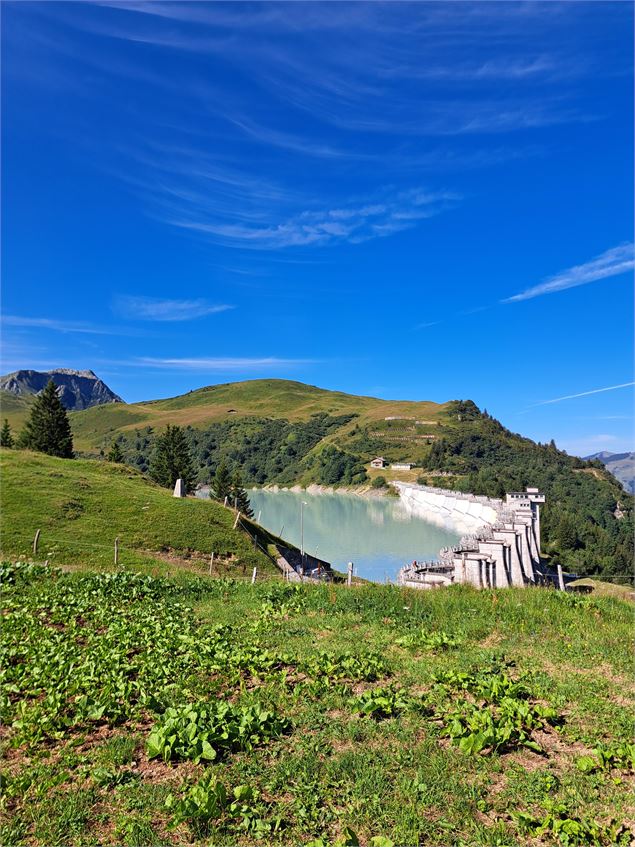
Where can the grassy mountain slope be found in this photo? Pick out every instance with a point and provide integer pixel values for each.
(262, 398)
(82, 505)
(15, 409)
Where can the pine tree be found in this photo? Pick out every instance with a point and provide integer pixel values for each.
(115, 454)
(6, 436)
(48, 429)
(171, 459)
(239, 498)
(566, 533)
(222, 483)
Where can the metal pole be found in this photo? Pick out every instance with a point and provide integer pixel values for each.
(35, 541)
(253, 576)
(302, 529)
(302, 505)
(117, 550)
(211, 563)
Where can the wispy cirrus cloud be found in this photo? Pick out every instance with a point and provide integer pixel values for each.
(220, 363)
(315, 89)
(352, 223)
(156, 309)
(57, 325)
(261, 91)
(617, 260)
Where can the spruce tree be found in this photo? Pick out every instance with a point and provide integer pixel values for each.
(6, 437)
(239, 498)
(48, 430)
(222, 483)
(115, 454)
(171, 459)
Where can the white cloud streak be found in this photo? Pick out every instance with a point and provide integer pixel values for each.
(583, 394)
(56, 325)
(617, 260)
(154, 309)
(220, 363)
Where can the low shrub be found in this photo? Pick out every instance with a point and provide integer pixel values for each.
(205, 730)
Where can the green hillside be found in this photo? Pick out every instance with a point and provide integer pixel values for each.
(80, 506)
(263, 398)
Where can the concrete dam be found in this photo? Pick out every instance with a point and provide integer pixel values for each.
(500, 546)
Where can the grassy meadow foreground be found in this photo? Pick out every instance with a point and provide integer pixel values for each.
(141, 710)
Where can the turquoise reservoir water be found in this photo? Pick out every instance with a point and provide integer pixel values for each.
(377, 534)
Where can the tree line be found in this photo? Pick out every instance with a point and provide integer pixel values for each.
(265, 450)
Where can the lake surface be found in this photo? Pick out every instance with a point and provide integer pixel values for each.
(378, 534)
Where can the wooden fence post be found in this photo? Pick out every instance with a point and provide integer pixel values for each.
(35, 541)
(237, 519)
(211, 563)
(117, 550)
(253, 576)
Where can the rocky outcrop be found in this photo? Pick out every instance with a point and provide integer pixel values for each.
(76, 389)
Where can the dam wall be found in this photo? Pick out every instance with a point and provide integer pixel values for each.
(452, 509)
(501, 542)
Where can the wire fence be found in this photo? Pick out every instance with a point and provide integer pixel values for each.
(48, 545)
(51, 544)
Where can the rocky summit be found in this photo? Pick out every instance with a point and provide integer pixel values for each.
(77, 389)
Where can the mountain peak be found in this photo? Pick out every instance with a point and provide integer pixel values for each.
(76, 389)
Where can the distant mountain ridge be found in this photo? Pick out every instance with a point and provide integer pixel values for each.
(77, 389)
(621, 465)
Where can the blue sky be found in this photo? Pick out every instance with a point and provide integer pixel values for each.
(418, 201)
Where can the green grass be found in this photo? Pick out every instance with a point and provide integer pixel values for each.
(94, 662)
(81, 506)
